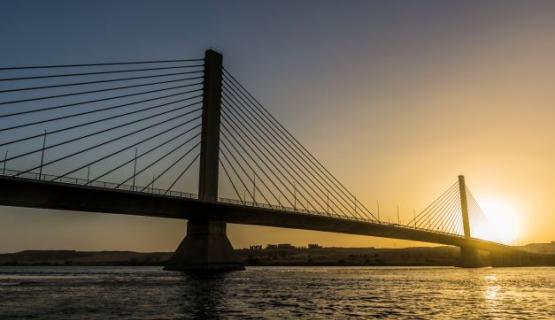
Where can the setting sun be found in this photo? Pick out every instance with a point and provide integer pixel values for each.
(502, 224)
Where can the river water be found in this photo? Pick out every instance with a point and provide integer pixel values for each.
(277, 293)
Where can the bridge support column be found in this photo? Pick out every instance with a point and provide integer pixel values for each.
(206, 248)
(469, 257)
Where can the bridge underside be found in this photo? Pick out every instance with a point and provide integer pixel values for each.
(48, 195)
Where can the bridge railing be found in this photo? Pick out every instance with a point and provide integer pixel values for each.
(289, 209)
(332, 215)
(95, 184)
(114, 186)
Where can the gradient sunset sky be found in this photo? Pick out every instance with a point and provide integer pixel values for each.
(395, 97)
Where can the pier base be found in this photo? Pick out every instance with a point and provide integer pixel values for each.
(206, 248)
(470, 258)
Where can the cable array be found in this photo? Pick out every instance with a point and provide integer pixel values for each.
(266, 165)
(137, 126)
(444, 214)
(124, 125)
(480, 225)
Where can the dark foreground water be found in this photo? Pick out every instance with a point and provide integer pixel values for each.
(277, 293)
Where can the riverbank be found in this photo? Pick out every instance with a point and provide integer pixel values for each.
(257, 256)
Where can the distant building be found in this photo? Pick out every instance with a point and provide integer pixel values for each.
(314, 246)
(271, 246)
(285, 246)
(256, 247)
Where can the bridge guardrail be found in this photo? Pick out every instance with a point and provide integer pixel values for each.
(95, 184)
(179, 194)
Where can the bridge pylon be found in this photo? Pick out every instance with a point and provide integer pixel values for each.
(469, 257)
(206, 246)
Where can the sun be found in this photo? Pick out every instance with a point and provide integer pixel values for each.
(502, 225)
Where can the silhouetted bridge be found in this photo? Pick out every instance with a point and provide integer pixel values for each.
(128, 137)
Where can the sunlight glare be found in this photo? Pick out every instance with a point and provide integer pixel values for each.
(503, 223)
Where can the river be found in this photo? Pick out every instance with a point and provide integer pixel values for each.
(277, 293)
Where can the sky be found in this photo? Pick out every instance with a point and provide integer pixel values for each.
(396, 98)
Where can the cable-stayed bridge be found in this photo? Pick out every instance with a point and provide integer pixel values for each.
(184, 139)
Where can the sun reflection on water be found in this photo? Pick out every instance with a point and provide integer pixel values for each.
(491, 290)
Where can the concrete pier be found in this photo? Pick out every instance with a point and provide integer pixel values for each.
(206, 248)
(470, 258)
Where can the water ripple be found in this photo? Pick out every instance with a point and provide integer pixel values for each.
(277, 293)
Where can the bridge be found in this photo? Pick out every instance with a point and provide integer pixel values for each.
(131, 137)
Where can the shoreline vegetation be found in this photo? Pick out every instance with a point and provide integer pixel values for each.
(271, 255)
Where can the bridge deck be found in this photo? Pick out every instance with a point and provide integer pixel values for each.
(32, 193)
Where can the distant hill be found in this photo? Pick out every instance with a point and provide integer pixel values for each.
(540, 247)
(267, 257)
(71, 257)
